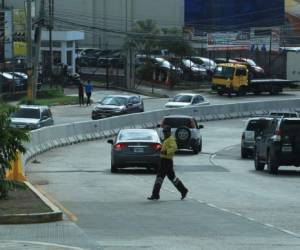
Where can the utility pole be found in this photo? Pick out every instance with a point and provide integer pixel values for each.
(37, 41)
(2, 37)
(30, 80)
(51, 16)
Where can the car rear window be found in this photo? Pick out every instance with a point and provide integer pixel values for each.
(176, 122)
(136, 136)
(27, 113)
(257, 125)
(291, 127)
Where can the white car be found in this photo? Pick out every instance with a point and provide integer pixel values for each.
(186, 100)
(186, 131)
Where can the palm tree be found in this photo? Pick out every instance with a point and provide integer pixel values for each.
(11, 142)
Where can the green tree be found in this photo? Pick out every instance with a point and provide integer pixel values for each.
(173, 40)
(11, 142)
(143, 36)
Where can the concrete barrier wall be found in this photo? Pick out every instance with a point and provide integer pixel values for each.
(61, 135)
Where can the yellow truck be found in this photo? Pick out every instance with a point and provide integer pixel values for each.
(233, 78)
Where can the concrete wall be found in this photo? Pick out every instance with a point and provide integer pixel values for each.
(112, 15)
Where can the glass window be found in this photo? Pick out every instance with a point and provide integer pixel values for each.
(183, 98)
(27, 113)
(241, 72)
(70, 44)
(116, 101)
(136, 136)
(69, 57)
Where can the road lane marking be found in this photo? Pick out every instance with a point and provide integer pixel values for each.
(66, 211)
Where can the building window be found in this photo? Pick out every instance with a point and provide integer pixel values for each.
(70, 44)
(69, 58)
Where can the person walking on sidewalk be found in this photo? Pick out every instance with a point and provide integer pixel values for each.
(81, 94)
(166, 167)
(88, 92)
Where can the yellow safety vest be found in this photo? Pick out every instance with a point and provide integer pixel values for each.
(169, 146)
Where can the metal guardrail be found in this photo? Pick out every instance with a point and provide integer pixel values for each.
(61, 135)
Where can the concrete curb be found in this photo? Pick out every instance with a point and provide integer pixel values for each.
(54, 215)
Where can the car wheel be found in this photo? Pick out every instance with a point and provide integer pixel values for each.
(200, 146)
(220, 92)
(113, 168)
(272, 164)
(259, 166)
(244, 153)
(196, 149)
(183, 134)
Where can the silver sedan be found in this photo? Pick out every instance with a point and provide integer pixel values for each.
(135, 148)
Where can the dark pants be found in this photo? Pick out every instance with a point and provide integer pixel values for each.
(81, 99)
(166, 169)
(88, 101)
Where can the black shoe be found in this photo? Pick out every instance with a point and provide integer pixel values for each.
(184, 193)
(152, 197)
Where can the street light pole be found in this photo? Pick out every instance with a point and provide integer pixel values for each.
(30, 82)
(51, 10)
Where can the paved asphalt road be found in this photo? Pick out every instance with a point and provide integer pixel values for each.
(229, 206)
(73, 113)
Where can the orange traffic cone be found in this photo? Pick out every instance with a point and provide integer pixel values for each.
(16, 171)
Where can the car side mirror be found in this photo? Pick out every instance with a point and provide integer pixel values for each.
(44, 117)
(158, 125)
(200, 126)
(110, 141)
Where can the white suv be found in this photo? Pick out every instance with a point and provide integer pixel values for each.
(185, 130)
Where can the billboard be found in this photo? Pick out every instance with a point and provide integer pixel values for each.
(233, 15)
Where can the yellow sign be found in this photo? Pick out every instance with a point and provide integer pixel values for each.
(20, 49)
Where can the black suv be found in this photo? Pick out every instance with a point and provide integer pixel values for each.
(278, 144)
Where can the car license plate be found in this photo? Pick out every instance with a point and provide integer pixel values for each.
(286, 149)
(138, 150)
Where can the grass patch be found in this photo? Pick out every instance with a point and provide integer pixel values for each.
(52, 97)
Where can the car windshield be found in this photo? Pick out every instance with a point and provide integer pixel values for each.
(182, 98)
(251, 62)
(163, 62)
(116, 101)
(189, 63)
(136, 136)
(226, 72)
(27, 113)
(257, 125)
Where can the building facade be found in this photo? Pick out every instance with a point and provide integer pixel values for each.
(106, 21)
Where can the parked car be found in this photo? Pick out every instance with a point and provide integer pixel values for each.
(207, 63)
(135, 148)
(186, 100)
(278, 145)
(254, 126)
(192, 71)
(22, 84)
(220, 60)
(284, 114)
(186, 131)
(114, 58)
(114, 105)
(31, 117)
(11, 82)
(255, 70)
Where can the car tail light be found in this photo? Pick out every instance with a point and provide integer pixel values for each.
(156, 146)
(119, 146)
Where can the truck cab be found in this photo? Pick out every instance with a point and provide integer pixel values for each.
(230, 78)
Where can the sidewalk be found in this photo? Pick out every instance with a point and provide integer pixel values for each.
(58, 235)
